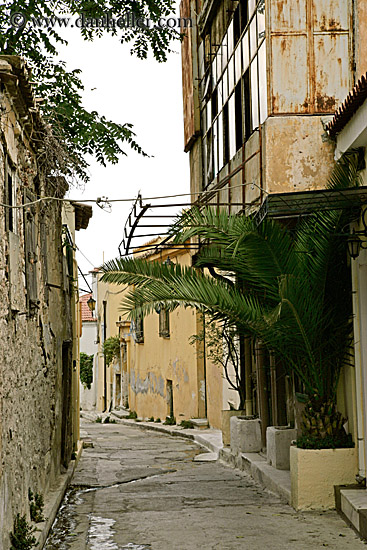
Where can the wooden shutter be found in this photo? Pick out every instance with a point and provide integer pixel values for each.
(31, 257)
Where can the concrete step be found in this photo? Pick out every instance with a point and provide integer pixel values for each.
(352, 503)
(201, 423)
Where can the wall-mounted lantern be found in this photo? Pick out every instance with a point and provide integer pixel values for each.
(91, 304)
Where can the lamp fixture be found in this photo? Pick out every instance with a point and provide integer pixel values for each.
(354, 242)
(91, 304)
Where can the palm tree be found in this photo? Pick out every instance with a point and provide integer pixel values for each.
(293, 290)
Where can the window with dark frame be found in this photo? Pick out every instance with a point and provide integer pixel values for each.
(164, 329)
(233, 86)
(10, 199)
(139, 330)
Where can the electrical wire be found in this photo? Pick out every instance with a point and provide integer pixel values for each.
(105, 200)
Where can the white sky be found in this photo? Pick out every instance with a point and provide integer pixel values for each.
(147, 94)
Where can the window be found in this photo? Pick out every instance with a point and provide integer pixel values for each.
(10, 199)
(238, 117)
(30, 237)
(164, 323)
(237, 102)
(139, 330)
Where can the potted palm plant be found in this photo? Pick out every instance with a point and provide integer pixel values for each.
(293, 293)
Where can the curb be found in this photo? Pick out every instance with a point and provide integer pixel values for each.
(54, 499)
(193, 435)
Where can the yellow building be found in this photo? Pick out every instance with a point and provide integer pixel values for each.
(158, 373)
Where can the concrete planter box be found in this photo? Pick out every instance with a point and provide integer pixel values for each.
(226, 428)
(278, 444)
(245, 435)
(314, 473)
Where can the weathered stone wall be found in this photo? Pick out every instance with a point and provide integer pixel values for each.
(34, 319)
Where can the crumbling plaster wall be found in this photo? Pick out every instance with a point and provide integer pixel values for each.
(30, 344)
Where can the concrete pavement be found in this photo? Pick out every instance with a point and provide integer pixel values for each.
(143, 490)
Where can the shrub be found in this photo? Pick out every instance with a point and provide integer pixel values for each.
(170, 421)
(132, 415)
(328, 442)
(86, 370)
(111, 349)
(22, 536)
(187, 424)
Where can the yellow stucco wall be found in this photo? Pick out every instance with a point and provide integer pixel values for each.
(314, 474)
(158, 359)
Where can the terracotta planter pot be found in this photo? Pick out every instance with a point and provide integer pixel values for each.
(314, 473)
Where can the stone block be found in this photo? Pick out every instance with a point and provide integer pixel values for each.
(226, 427)
(245, 435)
(278, 443)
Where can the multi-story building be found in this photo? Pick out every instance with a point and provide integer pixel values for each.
(261, 80)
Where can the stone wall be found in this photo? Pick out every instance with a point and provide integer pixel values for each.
(35, 313)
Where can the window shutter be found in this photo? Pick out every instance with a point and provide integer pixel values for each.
(30, 230)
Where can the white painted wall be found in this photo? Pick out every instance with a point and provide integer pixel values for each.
(88, 345)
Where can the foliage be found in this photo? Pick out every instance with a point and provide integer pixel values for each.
(187, 424)
(99, 419)
(157, 420)
(111, 349)
(76, 130)
(293, 288)
(151, 419)
(86, 370)
(22, 536)
(170, 421)
(36, 506)
(222, 349)
(344, 441)
(132, 415)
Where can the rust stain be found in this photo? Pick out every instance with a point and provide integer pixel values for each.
(283, 45)
(331, 25)
(280, 5)
(323, 23)
(325, 103)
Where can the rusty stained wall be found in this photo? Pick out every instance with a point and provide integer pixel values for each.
(296, 157)
(360, 15)
(187, 53)
(309, 55)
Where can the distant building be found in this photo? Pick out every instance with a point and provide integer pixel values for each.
(88, 345)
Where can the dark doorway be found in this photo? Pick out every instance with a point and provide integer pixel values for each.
(66, 426)
(170, 398)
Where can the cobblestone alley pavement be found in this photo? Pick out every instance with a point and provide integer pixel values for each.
(141, 490)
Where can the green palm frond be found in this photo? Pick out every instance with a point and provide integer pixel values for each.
(293, 288)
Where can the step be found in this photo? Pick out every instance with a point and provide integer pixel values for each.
(200, 423)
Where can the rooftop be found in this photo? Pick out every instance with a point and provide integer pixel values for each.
(349, 106)
(86, 312)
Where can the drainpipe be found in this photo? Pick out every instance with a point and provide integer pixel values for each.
(248, 371)
(356, 267)
(204, 359)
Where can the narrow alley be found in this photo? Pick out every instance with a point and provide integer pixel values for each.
(142, 490)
